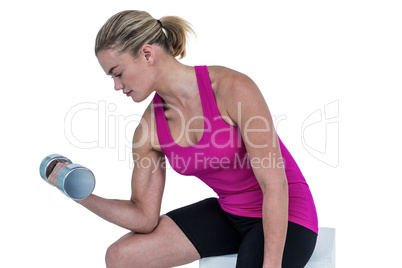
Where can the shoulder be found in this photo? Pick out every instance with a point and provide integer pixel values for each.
(231, 87)
(230, 83)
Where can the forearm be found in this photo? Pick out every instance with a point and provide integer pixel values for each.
(275, 221)
(124, 213)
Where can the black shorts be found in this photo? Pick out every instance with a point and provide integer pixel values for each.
(215, 232)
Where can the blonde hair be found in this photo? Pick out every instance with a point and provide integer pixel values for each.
(128, 31)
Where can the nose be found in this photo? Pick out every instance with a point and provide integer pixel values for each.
(118, 85)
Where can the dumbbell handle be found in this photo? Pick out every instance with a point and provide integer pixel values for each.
(46, 167)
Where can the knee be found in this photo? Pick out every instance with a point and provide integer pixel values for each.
(120, 255)
(123, 254)
(113, 255)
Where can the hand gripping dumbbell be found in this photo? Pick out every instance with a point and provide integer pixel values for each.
(75, 181)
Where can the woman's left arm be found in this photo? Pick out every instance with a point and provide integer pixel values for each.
(246, 106)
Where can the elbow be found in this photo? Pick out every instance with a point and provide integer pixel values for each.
(143, 219)
(278, 187)
(151, 225)
(151, 222)
(147, 227)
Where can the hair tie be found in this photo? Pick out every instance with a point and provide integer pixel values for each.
(160, 23)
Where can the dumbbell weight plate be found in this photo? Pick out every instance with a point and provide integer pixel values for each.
(76, 181)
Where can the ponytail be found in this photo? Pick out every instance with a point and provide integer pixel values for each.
(176, 30)
(128, 31)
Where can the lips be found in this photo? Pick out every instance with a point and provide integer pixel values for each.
(128, 93)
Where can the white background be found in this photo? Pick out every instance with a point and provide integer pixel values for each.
(303, 55)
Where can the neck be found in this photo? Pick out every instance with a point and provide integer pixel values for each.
(177, 83)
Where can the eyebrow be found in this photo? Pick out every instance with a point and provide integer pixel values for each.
(111, 70)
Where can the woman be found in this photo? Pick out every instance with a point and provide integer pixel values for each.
(210, 122)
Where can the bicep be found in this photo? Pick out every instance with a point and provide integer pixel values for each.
(148, 177)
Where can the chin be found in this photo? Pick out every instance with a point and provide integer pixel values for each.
(140, 98)
(136, 100)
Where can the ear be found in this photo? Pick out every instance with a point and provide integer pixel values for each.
(148, 53)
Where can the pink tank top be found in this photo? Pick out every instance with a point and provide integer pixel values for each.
(221, 161)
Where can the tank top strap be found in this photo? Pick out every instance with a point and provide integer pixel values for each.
(208, 101)
(160, 120)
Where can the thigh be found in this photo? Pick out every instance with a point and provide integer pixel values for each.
(251, 251)
(207, 227)
(299, 247)
(166, 246)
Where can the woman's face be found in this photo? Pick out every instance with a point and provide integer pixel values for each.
(130, 74)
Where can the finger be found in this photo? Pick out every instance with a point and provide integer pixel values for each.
(55, 172)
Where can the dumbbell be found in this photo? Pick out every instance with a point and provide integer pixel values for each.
(75, 181)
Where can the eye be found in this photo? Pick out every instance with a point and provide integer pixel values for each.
(116, 75)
